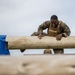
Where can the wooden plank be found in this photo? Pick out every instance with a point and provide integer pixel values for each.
(32, 42)
(38, 65)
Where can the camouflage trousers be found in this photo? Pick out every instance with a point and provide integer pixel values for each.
(48, 51)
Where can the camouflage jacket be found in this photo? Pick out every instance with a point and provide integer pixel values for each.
(63, 29)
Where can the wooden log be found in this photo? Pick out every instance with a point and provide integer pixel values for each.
(32, 42)
(38, 65)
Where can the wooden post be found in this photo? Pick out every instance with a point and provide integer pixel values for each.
(38, 65)
(32, 42)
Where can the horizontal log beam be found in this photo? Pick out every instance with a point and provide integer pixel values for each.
(32, 42)
(38, 65)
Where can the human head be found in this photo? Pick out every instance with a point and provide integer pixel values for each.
(47, 51)
(54, 17)
(54, 20)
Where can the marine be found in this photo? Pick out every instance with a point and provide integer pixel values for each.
(55, 28)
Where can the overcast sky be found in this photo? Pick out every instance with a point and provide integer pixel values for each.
(22, 17)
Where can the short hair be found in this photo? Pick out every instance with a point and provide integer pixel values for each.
(54, 17)
(47, 51)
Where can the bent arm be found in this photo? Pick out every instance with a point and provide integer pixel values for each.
(43, 26)
(67, 31)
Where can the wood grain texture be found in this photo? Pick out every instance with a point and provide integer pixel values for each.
(38, 65)
(32, 42)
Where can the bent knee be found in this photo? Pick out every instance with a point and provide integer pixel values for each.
(35, 34)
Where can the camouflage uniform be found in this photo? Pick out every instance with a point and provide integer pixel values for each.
(53, 32)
